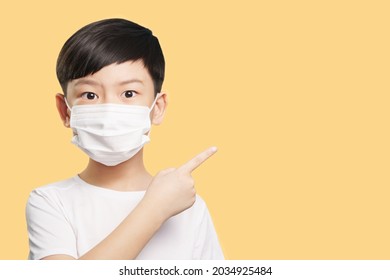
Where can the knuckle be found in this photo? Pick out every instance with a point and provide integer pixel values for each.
(182, 176)
(170, 169)
(165, 171)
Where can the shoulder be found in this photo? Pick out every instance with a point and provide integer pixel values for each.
(52, 191)
(56, 186)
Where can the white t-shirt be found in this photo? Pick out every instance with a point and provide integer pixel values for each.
(70, 217)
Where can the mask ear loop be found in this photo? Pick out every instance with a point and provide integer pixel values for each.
(150, 110)
(154, 102)
(67, 104)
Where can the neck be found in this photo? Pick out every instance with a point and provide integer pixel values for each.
(130, 175)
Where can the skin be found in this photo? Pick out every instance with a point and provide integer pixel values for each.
(168, 193)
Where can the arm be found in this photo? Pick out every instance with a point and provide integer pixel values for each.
(171, 192)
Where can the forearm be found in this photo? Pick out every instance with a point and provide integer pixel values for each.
(130, 237)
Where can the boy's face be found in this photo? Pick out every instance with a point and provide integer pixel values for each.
(126, 83)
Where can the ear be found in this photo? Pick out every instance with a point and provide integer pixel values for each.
(63, 109)
(159, 108)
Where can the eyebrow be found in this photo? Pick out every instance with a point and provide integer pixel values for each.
(92, 82)
(86, 82)
(131, 81)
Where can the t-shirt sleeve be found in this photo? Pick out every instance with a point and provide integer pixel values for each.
(49, 230)
(207, 246)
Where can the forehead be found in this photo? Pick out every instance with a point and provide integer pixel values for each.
(117, 74)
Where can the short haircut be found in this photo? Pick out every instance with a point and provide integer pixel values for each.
(109, 41)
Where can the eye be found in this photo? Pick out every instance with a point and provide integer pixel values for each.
(129, 93)
(89, 95)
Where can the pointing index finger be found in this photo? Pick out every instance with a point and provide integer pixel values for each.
(196, 161)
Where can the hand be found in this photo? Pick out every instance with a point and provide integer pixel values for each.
(172, 190)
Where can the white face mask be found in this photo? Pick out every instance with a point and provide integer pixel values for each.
(110, 133)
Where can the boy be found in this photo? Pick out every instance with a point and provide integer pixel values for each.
(111, 73)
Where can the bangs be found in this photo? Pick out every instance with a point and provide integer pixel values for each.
(106, 42)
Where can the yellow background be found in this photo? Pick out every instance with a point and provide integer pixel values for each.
(294, 93)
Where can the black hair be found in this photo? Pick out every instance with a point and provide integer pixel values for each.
(108, 41)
